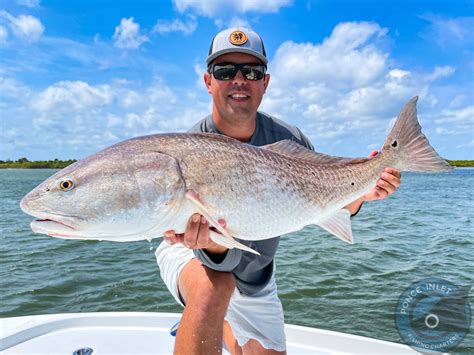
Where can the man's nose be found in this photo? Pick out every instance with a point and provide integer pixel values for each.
(239, 78)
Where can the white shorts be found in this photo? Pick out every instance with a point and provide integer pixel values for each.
(258, 317)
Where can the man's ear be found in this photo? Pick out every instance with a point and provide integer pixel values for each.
(207, 81)
(266, 80)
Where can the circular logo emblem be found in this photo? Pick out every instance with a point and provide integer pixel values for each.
(433, 315)
(238, 38)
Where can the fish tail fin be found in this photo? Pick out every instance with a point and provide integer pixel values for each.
(414, 149)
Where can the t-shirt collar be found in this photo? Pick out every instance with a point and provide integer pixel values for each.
(213, 129)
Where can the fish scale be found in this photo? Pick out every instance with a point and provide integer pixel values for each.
(139, 188)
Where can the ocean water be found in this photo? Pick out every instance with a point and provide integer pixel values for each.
(425, 229)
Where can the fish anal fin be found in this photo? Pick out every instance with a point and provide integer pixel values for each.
(292, 149)
(339, 224)
(224, 238)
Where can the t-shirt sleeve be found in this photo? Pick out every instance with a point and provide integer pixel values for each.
(305, 141)
(227, 264)
(199, 127)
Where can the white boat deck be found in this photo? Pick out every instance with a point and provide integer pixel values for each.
(148, 333)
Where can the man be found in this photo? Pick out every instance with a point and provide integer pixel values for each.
(214, 282)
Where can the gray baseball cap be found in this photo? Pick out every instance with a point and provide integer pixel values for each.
(240, 40)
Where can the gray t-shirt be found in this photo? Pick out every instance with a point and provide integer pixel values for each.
(252, 272)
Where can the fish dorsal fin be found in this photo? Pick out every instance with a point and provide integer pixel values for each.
(292, 149)
(217, 137)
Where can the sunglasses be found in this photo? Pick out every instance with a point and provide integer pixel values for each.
(228, 71)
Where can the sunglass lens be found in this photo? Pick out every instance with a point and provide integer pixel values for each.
(224, 72)
(253, 72)
(229, 71)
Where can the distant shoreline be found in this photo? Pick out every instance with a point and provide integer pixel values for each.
(24, 163)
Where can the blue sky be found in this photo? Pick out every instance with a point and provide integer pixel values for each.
(78, 76)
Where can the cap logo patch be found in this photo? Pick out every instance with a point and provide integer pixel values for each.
(238, 38)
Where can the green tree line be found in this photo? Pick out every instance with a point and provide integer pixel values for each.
(461, 163)
(24, 163)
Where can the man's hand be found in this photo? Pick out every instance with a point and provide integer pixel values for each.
(389, 181)
(196, 235)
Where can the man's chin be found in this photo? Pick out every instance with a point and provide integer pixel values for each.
(241, 112)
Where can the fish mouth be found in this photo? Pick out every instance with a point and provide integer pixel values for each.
(53, 228)
(54, 224)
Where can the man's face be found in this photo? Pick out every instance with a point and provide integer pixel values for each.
(237, 98)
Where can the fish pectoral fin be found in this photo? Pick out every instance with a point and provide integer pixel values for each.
(230, 243)
(224, 238)
(339, 224)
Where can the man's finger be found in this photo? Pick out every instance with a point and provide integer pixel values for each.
(391, 179)
(389, 188)
(169, 234)
(373, 154)
(172, 238)
(203, 238)
(381, 193)
(394, 172)
(192, 230)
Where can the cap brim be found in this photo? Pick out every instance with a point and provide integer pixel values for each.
(237, 50)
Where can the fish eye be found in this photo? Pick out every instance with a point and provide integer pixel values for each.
(66, 185)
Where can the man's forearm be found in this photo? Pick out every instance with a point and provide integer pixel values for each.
(216, 253)
(354, 207)
(217, 249)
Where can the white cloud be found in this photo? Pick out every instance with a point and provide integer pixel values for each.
(67, 96)
(467, 145)
(342, 90)
(344, 59)
(236, 22)
(130, 99)
(76, 116)
(25, 27)
(345, 75)
(200, 69)
(459, 100)
(449, 31)
(444, 131)
(176, 26)
(80, 96)
(398, 73)
(13, 89)
(29, 3)
(218, 7)
(463, 115)
(127, 35)
(3, 36)
(441, 72)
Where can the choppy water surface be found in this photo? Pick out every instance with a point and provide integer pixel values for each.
(425, 229)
